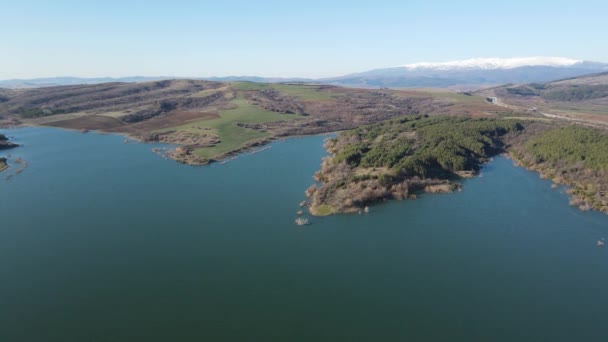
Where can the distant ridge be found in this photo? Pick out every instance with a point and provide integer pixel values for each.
(472, 73)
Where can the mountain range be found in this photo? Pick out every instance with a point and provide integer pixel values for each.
(470, 73)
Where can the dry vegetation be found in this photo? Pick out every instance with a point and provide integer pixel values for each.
(582, 98)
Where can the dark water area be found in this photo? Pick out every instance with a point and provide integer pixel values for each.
(106, 241)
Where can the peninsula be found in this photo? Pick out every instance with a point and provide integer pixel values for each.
(399, 158)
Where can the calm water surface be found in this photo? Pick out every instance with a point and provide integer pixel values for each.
(106, 241)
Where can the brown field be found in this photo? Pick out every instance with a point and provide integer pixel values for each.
(91, 122)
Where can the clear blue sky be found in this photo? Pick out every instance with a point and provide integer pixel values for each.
(285, 38)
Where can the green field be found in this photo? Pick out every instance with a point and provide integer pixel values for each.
(232, 136)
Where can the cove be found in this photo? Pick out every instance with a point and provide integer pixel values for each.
(106, 241)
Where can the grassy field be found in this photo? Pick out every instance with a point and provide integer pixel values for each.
(232, 136)
(305, 92)
(245, 85)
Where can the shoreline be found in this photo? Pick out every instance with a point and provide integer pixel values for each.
(576, 200)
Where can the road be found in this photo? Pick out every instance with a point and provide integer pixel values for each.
(496, 101)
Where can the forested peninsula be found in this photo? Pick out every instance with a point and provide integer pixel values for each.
(573, 155)
(399, 158)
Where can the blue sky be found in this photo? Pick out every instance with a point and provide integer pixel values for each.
(284, 38)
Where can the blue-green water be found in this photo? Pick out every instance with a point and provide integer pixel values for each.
(106, 241)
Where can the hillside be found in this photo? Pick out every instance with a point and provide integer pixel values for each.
(578, 98)
(211, 120)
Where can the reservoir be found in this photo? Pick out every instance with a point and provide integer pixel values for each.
(106, 241)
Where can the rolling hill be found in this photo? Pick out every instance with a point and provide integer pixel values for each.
(584, 97)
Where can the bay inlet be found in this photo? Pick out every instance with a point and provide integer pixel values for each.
(101, 240)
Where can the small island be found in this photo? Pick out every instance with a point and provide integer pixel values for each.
(5, 144)
(400, 158)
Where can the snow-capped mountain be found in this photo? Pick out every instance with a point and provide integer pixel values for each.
(472, 73)
(496, 63)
